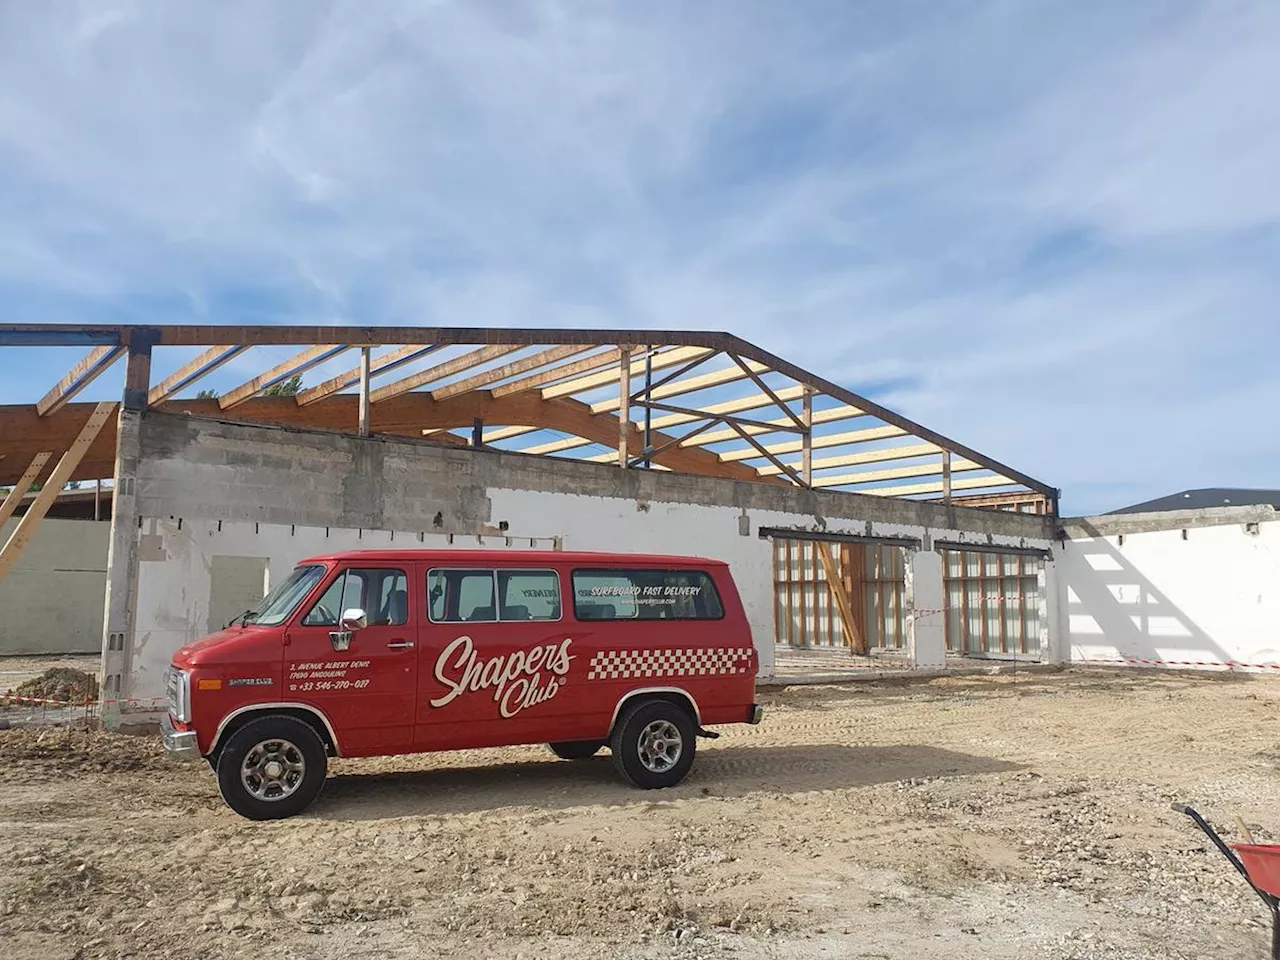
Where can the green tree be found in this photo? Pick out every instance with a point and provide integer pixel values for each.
(286, 388)
(207, 395)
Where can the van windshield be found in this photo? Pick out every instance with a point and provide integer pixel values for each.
(278, 605)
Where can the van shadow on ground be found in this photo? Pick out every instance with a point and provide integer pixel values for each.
(552, 784)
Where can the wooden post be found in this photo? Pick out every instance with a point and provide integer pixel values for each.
(624, 409)
(22, 486)
(97, 500)
(946, 476)
(836, 586)
(807, 438)
(21, 537)
(364, 392)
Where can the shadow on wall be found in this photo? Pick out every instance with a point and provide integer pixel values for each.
(1115, 612)
(548, 783)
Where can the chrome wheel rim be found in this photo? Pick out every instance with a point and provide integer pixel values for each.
(660, 746)
(273, 769)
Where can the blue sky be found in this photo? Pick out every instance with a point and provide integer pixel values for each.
(1049, 230)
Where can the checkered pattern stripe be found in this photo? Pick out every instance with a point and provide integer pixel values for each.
(697, 662)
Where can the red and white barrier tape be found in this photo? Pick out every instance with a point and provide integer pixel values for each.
(42, 701)
(1229, 664)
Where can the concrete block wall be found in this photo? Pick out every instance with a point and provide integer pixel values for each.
(51, 601)
(1179, 588)
(254, 491)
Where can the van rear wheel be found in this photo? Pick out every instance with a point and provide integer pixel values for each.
(653, 744)
(576, 749)
(272, 768)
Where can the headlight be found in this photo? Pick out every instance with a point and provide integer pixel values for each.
(178, 687)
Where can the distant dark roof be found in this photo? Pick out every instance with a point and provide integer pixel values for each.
(1209, 497)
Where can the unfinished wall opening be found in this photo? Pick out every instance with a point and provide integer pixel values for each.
(993, 603)
(839, 595)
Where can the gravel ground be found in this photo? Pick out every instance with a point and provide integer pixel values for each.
(975, 817)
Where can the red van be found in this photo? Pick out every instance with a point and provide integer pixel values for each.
(370, 653)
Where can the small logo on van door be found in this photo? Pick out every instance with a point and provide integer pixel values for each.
(516, 679)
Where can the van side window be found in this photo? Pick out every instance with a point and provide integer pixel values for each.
(382, 594)
(461, 596)
(645, 595)
(529, 594)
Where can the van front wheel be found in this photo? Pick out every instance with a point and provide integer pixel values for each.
(653, 744)
(576, 749)
(272, 768)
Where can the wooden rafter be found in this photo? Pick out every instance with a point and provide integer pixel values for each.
(201, 366)
(22, 486)
(966, 483)
(834, 415)
(819, 443)
(659, 361)
(466, 361)
(753, 402)
(681, 387)
(280, 372)
(498, 374)
(22, 534)
(563, 372)
(98, 362)
(377, 365)
(895, 473)
(871, 456)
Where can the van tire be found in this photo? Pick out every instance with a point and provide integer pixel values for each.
(576, 749)
(295, 744)
(645, 734)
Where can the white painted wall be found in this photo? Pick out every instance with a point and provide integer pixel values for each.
(51, 601)
(175, 576)
(176, 557)
(1213, 596)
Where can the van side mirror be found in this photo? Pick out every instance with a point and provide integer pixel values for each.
(352, 620)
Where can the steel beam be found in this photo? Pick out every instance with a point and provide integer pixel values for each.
(98, 362)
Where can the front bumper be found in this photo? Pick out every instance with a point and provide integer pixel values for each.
(757, 712)
(180, 744)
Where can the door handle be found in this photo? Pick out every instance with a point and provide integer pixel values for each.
(400, 645)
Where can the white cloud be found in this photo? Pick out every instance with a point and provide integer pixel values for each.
(1049, 229)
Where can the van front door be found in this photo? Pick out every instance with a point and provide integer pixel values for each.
(364, 680)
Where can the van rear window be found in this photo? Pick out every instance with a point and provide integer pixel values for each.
(645, 595)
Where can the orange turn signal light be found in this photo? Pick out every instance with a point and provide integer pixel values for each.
(213, 684)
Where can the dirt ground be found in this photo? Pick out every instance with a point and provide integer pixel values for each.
(975, 817)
